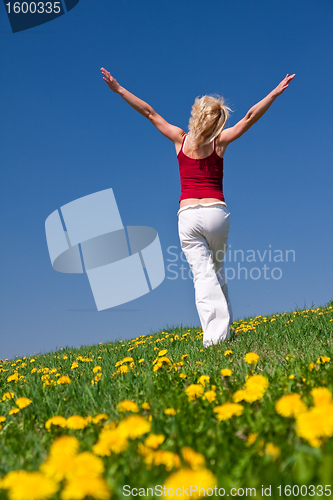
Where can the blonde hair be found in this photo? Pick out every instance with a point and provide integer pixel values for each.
(209, 115)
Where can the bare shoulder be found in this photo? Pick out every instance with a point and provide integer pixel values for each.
(178, 142)
(230, 134)
(221, 143)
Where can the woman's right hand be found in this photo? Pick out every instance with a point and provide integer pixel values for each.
(283, 85)
(112, 82)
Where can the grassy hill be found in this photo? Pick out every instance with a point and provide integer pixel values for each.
(161, 412)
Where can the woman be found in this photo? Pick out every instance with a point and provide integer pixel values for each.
(203, 217)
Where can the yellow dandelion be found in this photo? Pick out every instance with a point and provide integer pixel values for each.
(25, 485)
(13, 410)
(321, 395)
(186, 480)
(110, 441)
(123, 369)
(163, 457)
(97, 369)
(239, 395)
(60, 460)
(64, 446)
(141, 360)
(128, 359)
(271, 449)
(134, 426)
(315, 423)
(163, 352)
(312, 366)
(290, 405)
(98, 418)
(251, 358)
(255, 387)
(97, 377)
(64, 380)
(80, 487)
(165, 360)
(251, 438)
(128, 406)
(323, 359)
(183, 375)
(225, 372)
(194, 459)
(86, 464)
(8, 395)
(227, 410)
(184, 356)
(203, 379)
(76, 422)
(56, 420)
(210, 396)
(194, 391)
(228, 352)
(170, 411)
(154, 440)
(23, 402)
(144, 450)
(291, 376)
(146, 406)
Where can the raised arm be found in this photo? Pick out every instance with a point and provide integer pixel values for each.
(252, 116)
(175, 134)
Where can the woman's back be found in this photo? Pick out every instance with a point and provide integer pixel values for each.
(203, 151)
(201, 174)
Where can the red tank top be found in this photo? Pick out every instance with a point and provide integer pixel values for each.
(202, 178)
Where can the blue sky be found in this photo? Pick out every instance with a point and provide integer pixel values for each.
(65, 135)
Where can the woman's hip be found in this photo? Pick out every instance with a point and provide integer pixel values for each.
(204, 220)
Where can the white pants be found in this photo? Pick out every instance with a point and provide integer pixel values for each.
(203, 233)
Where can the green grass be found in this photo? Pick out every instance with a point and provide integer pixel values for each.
(303, 336)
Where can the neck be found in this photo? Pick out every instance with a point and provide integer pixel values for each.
(192, 144)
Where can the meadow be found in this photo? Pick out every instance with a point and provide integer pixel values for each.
(159, 416)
